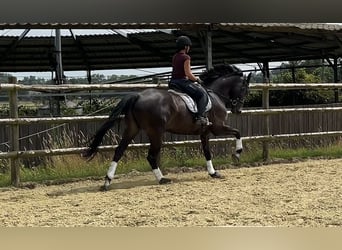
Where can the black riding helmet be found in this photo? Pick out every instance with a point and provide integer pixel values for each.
(183, 41)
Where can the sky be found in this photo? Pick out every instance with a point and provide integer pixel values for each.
(83, 74)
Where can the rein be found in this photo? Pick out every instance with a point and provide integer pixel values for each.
(226, 99)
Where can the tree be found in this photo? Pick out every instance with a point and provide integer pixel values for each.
(307, 74)
(304, 72)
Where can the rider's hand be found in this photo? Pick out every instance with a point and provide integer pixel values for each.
(199, 80)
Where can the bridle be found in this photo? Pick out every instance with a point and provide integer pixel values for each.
(233, 102)
(227, 100)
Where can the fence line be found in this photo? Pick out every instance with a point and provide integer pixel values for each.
(14, 121)
(107, 148)
(139, 86)
(65, 119)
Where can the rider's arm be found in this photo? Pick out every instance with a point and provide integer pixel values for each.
(188, 72)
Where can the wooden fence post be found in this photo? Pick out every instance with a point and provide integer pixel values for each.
(14, 133)
(266, 105)
(336, 80)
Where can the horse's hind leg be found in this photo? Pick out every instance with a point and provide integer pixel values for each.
(130, 132)
(207, 154)
(153, 158)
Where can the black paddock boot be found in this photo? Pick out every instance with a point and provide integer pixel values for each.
(203, 121)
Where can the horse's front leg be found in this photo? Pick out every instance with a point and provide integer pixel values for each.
(238, 149)
(226, 130)
(206, 150)
(153, 158)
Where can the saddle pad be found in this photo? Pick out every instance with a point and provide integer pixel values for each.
(189, 102)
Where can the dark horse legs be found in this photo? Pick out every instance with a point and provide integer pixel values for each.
(130, 132)
(153, 157)
(220, 130)
(206, 151)
(226, 130)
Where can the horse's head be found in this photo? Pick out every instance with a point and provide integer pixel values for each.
(229, 83)
(238, 93)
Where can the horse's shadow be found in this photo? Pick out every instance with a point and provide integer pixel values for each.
(146, 181)
(127, 184)
(119, 184)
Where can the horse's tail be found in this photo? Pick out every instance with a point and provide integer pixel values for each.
(122, 108)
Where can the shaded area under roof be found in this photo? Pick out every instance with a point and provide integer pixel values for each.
(231, 43)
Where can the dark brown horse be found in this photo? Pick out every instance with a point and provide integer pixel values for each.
(156, 111)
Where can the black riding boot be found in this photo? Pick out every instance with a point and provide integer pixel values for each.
(200, 118)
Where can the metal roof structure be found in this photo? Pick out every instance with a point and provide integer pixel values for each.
(231, 43)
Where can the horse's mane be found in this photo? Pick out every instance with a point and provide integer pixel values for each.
(217, 71)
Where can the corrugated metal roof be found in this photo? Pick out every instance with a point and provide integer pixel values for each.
(101, 25)
(231, 43)
(303, 26)
(306, 26)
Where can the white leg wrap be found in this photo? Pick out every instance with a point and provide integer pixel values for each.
(238, 144)
(158, 174)
(210, 167)
(112, 169)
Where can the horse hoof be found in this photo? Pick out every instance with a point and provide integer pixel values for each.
(216, 175)
(105, 186)
(164, 181)
(235, 158)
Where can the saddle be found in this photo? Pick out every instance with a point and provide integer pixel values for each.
(189, 102)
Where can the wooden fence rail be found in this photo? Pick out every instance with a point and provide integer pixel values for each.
(139, 86)
(66, 119)
(14, 121)
(110, 148)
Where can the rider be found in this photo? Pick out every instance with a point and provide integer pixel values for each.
(183, 79)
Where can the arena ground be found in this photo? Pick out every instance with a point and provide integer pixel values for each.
(302, 194)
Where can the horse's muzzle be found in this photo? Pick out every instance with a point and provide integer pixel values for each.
(236, 110)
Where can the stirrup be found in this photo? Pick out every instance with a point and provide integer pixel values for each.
(203, 121)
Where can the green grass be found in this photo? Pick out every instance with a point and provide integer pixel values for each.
(334, 151)
(61, 168)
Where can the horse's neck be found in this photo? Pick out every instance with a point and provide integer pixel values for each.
(218, 86)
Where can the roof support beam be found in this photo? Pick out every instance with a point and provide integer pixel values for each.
(335, 68)
(81, 49)
(205, 38)
(58, 53)
(55, 106)
(147, 47)
(123, 34)
(13, 46)
(144, 46)
(265, 70)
